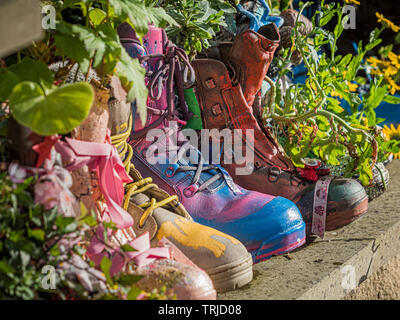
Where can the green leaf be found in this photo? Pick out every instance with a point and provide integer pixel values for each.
(127, 248)
(373, 44)
(69, 44)
(55, 250)
(37, 234)
(105, 266)
(128, 279)
(32, 70)
(133, 293)
(140, 15)
(353, 67)
(97, 15)
(5, 267)
(66, 224)
(392, 99)
(131, 74)
(55, 112)
(8, 80)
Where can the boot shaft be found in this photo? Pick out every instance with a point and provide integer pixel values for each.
(153, 43)
(250, 56)
(223, 105)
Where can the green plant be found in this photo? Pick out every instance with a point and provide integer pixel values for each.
(28, 241)
(38, 96)
(311, 115)
(33, 239)
(199, 21)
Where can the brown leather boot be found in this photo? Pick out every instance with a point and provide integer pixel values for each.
(223, 105)
(249, 57)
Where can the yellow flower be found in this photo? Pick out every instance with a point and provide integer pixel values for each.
(373, 61)
(390, 71)
(392, 134)
(352, 1)
(394, 59)
(390, 24)
(392, 85)
(334, 93)
(376, 72)
(352, 86)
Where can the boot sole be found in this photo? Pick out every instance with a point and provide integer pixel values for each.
(233, 275)
(285, 243)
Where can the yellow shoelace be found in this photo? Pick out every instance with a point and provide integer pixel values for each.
(125, 151)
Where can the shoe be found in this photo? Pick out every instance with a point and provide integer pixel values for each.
(266, 225)
(224, 105)
(160, 266)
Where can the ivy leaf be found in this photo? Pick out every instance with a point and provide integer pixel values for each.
(56, 111)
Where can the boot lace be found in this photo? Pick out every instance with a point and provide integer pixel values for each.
(125, 151)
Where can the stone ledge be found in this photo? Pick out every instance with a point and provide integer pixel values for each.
(317, 270)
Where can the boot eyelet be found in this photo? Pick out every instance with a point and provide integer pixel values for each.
(191, 190)
(171, 170)
(274, 174)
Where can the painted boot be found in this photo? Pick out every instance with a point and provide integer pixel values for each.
(223, 257)
(266, 225)
(224, 105)
(253, 15)
(161, 266)
(248, 70)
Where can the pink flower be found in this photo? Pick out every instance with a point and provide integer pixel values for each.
(17, 173)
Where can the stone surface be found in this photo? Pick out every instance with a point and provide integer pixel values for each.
(384, 284)
(20, 23)
(333, 267)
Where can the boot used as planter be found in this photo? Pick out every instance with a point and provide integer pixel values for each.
(92, 129)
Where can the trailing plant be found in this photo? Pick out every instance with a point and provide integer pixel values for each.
(310, 115)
